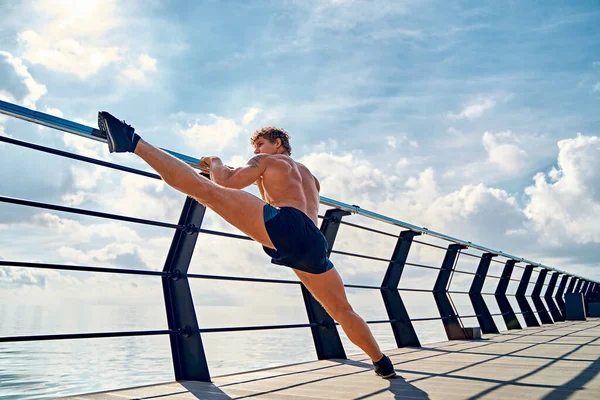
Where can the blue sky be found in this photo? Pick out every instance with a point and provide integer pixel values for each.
(477, 119)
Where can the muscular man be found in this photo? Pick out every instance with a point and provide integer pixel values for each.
(284, 222)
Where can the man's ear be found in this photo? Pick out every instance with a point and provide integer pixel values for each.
(278, 143)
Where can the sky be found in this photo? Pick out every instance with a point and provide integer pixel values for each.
(478, 119)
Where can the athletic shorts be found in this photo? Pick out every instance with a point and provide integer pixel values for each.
(299, 243)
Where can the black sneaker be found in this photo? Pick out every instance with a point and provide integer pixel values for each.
(121, 137)
(384, 368)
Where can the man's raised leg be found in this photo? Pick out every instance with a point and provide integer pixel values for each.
(239, 208)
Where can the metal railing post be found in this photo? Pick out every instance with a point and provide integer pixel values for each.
(440, 292)
(505, 308)
(537, 301)
(594, 293)
(189, 359)
(404, 332)
(327, 340)
(590, 290)
(486, 322)
(560, 300)
(526, 310)
(578, 286)
(584, 288)
(584, 291)
(571, 287)
(554, 311)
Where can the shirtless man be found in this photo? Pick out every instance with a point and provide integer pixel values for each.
(284, 222)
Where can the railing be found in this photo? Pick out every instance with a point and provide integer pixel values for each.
(185, 334)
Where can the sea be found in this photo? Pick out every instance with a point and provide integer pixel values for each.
(55, 368)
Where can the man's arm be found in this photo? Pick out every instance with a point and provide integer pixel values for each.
(238, 178)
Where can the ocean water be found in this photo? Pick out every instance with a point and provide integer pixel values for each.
(48, 369)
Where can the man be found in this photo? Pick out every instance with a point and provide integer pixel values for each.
(284, 222)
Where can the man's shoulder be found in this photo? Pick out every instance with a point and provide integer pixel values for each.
(260, 158)
(274, 158)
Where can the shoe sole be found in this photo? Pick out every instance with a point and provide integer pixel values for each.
(104, 127)
(387, 376)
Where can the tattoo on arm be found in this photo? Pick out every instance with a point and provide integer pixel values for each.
(254, 161)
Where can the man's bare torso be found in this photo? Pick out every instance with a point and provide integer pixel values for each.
(287, 183)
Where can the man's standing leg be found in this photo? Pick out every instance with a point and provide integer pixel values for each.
(328, 289)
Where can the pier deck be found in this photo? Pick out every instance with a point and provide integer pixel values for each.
(557, 361)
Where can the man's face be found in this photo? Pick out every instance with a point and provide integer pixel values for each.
(262, 145)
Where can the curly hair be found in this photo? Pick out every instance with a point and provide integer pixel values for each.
(271, 133)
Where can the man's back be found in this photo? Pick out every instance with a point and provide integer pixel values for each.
(287, 183)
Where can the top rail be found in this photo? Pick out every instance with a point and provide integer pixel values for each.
(65, 125)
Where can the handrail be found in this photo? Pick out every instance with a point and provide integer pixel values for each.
(95, 134)
(184, 330)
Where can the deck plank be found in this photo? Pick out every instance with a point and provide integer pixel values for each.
(550, 362)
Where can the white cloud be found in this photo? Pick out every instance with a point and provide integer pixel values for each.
(137, 72)
(477, 213)
(474, 110)
(391, 141)
(66, 55)
(88, 177)
(423, 189)
(78, 233)
(468, 201)
(403, 162)
(565, 204)
(597, 87)
(143, 198)
(35, 286)
(54, 111)
(90, 19)
(73, 199)
(3, 133)
(86, 147)
(507, 156)
(83, 38)
(214, 136)
(396, 141)
(457, 139)
(418, 199)
(349, 178)
(147, 63)
(517, 231)
(322, 147)
(250, 115)
(104, 256)
(33, 90)
(110, 243)
(11, 277)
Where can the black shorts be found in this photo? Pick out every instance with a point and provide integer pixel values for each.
(299, 243)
